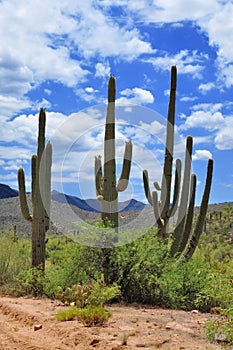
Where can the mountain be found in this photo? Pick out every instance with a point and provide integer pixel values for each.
(72, 200)
(7, 192)
(92, 205)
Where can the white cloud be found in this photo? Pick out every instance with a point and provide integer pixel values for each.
(10, 105)
(188, 98)
(87, 94)
(187, 62)
(204, 88)
(209, 117)
(90, 89)
(102, 70)
(45, 49)
(224, 139)
(212, 17)
(135, 96)
(207, 139)
(161, 11)
(219, 27)
(225, 72)
(48, 91)
(208, 107)
(202, 154)
(16, 78)
(203, 119)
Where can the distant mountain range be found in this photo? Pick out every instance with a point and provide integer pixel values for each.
(92, 205)
(7, 192)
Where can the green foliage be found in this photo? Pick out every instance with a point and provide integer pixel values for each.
(67, 315)
(101, 293)
(93, 293)
(89, 316)
(147, 274)
(93, 315)
(77, 294)
(28, 282)
(141, 270)
(14, 256)
(221, 328)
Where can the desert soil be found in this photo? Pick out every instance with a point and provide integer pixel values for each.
(143, 327)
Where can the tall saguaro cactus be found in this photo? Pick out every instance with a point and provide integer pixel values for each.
(107, 188)
(183, 241)
(40, 193)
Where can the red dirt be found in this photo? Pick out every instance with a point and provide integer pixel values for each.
(142, 327)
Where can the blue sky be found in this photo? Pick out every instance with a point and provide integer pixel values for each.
(59, 55)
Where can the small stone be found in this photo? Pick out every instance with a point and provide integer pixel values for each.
(37, 327)
(195, 312)
(220, 338)
(94, 342)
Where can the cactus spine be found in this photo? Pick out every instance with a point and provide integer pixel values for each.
(107, 188)
(40, 193)
(183, 242)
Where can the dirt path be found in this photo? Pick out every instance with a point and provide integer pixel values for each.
(144, 328)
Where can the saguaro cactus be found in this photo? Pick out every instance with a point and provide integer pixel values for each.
(40, 193)
(182, 239)
(107, 188)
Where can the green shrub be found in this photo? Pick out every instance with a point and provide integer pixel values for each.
(76, 294)
(93, 315)
(221, 328)
(100, 293)
(28, 282)
(67, 315)
(14, 256)
(93, 293)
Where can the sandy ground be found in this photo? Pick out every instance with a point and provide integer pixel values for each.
(144, 328)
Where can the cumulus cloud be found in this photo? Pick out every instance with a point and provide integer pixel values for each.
(135, 96)
(210, 117)
(187, 62)
(209, 16)
(223, 138)
(204, 88)
(202, 154)
(166, 11)
(188, 98)
(102, 70)
(10, 105)
(58, 46)
(203, 119)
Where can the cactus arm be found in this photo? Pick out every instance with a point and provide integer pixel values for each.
(159, 221)
(201, 217)
(47, 183)
(175, 201)
(147, 187)
(98, 176)
(41, 134)
(34, 177)
(178, 232)
(124, 178)
(157, 186)
(167, 170)
(22, 195)
(190, 213)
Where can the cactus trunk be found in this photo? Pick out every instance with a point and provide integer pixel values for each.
(183, 241)
(41, 194)
(110, 195)
(107, 187)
